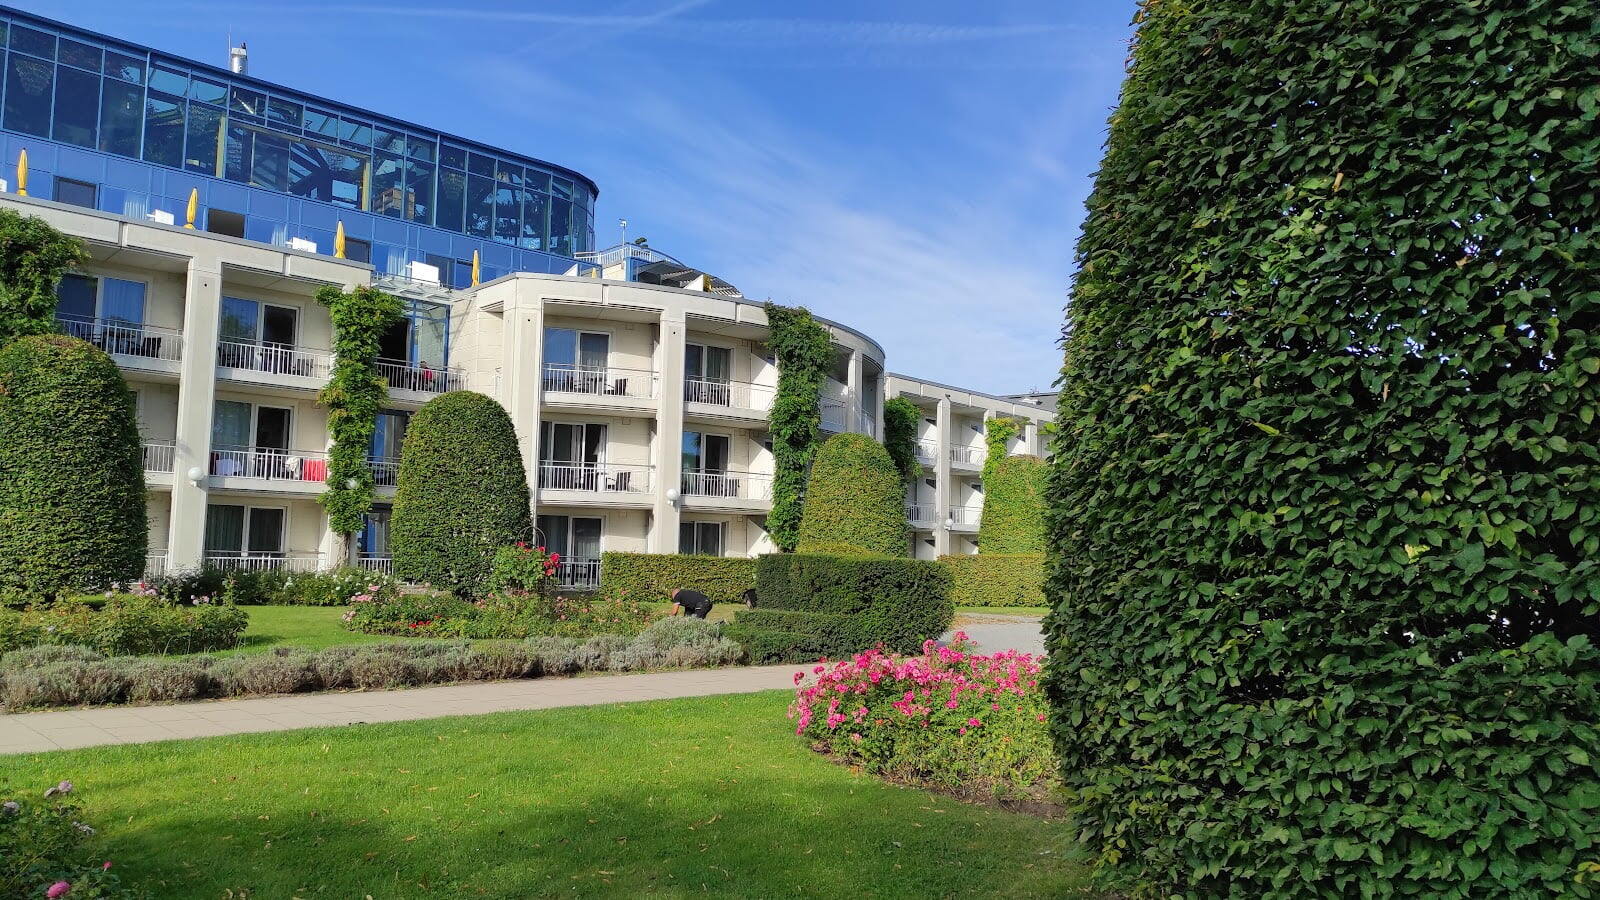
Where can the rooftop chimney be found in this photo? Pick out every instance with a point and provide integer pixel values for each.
(239, 58)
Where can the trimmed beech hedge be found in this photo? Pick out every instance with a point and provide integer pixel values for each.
(855, 500)
(462, 493)
(1325, 499)
(72, 496)
(649, 577)
(996, 579)
(814, 605)
(1013, 506)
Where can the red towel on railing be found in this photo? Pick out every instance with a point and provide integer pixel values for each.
(316, 470)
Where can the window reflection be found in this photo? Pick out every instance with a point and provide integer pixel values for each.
(77, 104)
(30, 84)
(121, 109)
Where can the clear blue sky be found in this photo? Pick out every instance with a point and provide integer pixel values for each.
(913, 168)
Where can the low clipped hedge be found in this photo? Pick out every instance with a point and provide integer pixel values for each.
(650, 577)
(125, 626)
(996, 579)
(812, 605)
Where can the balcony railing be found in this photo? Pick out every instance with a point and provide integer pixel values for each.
(381, 564)
(155, 564)
(257, 561)
(270, 464)
(385, 470)
(734, 394)
(603, 478)
(919, 512)
(602, 381)
(972, 456)
(834, 415)
(727, 485)
(126, 338)
(578, 573)
(866, 423)
(420, 377)
(276, 359)
(966, 515)
(928, 451)
(159, 456)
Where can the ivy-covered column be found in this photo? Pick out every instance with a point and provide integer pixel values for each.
(354, 396)
(804, 352)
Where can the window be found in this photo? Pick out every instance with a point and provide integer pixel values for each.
(203, 148)
(480, 206)
(700, 538)
(705, 452)
(77, 106)
(420, 338)
(357, 250)
(221, 221)
(387, 440)
(374, 540)
(576, 538)
(419, 190)
(535, 225)
(244, 530)
(575, 361)
(77, 193)
(121, 109)
(236, 425)
(86, 297)
(570, 455)
(31, 87)
(163, 128)
(261, 336)
(560, 227)
(706, 372)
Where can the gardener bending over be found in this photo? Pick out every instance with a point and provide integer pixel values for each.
(689, 603)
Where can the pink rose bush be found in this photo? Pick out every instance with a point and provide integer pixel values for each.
(46, 851)
(949, 717)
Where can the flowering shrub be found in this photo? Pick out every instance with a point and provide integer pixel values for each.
(44, 852)
(503, 614)
(126, 625)
(947, 717)
(522, 568)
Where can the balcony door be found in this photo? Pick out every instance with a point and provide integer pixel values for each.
(705, 465)
(374, 540)
(700, 538)
(575, 361)
(571, 455)
(707, 372)
(243, 530)
(257, 335)
(387, 440)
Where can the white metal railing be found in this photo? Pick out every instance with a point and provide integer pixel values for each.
(834, 415)
(919, 512)
(270, 464)
(599, 381)
(155, 564)
(965, 515)
(604, 478)
(927, 451)
(578, 573)
(421, 377)
(728, 485)
(866, 424)
(259, 561)
(969, 455)
(385, 470)
(277, 359)
(381, 564)
(126, 338)
(737, 394)
(159, 455)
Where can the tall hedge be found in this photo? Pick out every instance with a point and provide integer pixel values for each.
(1013, 506)
(33, 257)
(651, 577)
(804, 351)
(462, 492)
(996, 579)
(72, 495)
(1325, 499)
(901, 419)
(855, 501)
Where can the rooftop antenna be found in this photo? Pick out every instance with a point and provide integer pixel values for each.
(623, 224)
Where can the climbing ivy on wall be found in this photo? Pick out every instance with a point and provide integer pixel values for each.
(803, 351)
(997, 434)
(900, 418)
(354, 396)
(33, 257)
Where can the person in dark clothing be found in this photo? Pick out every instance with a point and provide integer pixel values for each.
(749, 597)
(690, 603)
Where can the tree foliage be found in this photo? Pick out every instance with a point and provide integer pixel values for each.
(354, 396)
(804, 352)
(462, 493)
(1013, 506)
(900, 420)
(33, 257)
(1324, 503)
(855, 501)
(72, 495)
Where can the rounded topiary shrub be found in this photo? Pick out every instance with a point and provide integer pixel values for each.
(72, 496)
(462, 493)
(1013, 506)
(1325, 498)
(855, 501)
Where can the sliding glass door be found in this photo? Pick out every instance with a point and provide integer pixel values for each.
(571, 455)
(707, 372)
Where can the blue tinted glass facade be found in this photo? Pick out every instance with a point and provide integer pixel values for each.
(144, 129)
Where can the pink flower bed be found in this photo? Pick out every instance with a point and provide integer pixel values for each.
(948, 717)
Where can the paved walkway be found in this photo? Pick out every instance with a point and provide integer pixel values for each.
(994, 633)
(68, 729)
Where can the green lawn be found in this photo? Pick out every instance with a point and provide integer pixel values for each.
(308, 627)
(666, 799)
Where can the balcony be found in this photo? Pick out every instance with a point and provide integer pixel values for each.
(582, 574)
(965, 518)
(383, 565)
(260, 561)
(921, 514)
(737, 491)
(155, 564)
(614, 484)
(159, 456)
(717, 401)
(421, 379)
(967, 457)
(928, 452)
(835, 415)
(385, 470)
(602, 388)
(134, 345)
(280, 365)
(270, 469)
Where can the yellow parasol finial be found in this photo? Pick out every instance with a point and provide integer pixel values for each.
(338, 241)
(193, 210)
(22, 173)
(476, 271)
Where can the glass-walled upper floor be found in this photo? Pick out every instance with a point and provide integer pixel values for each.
(86, 91)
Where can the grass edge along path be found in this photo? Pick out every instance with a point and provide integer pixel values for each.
(711, 795)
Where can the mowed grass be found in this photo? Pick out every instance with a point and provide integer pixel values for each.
(706, 796)
(306, 627)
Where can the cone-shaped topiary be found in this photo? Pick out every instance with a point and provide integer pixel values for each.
(1013, 506)
(72, 496)
(855, 501)
(462, 493)
(1325, 498)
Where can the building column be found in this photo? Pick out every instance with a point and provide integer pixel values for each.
(668, 449)
(520, 381)
(852, 401)
(941, 468)
(197, 387)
